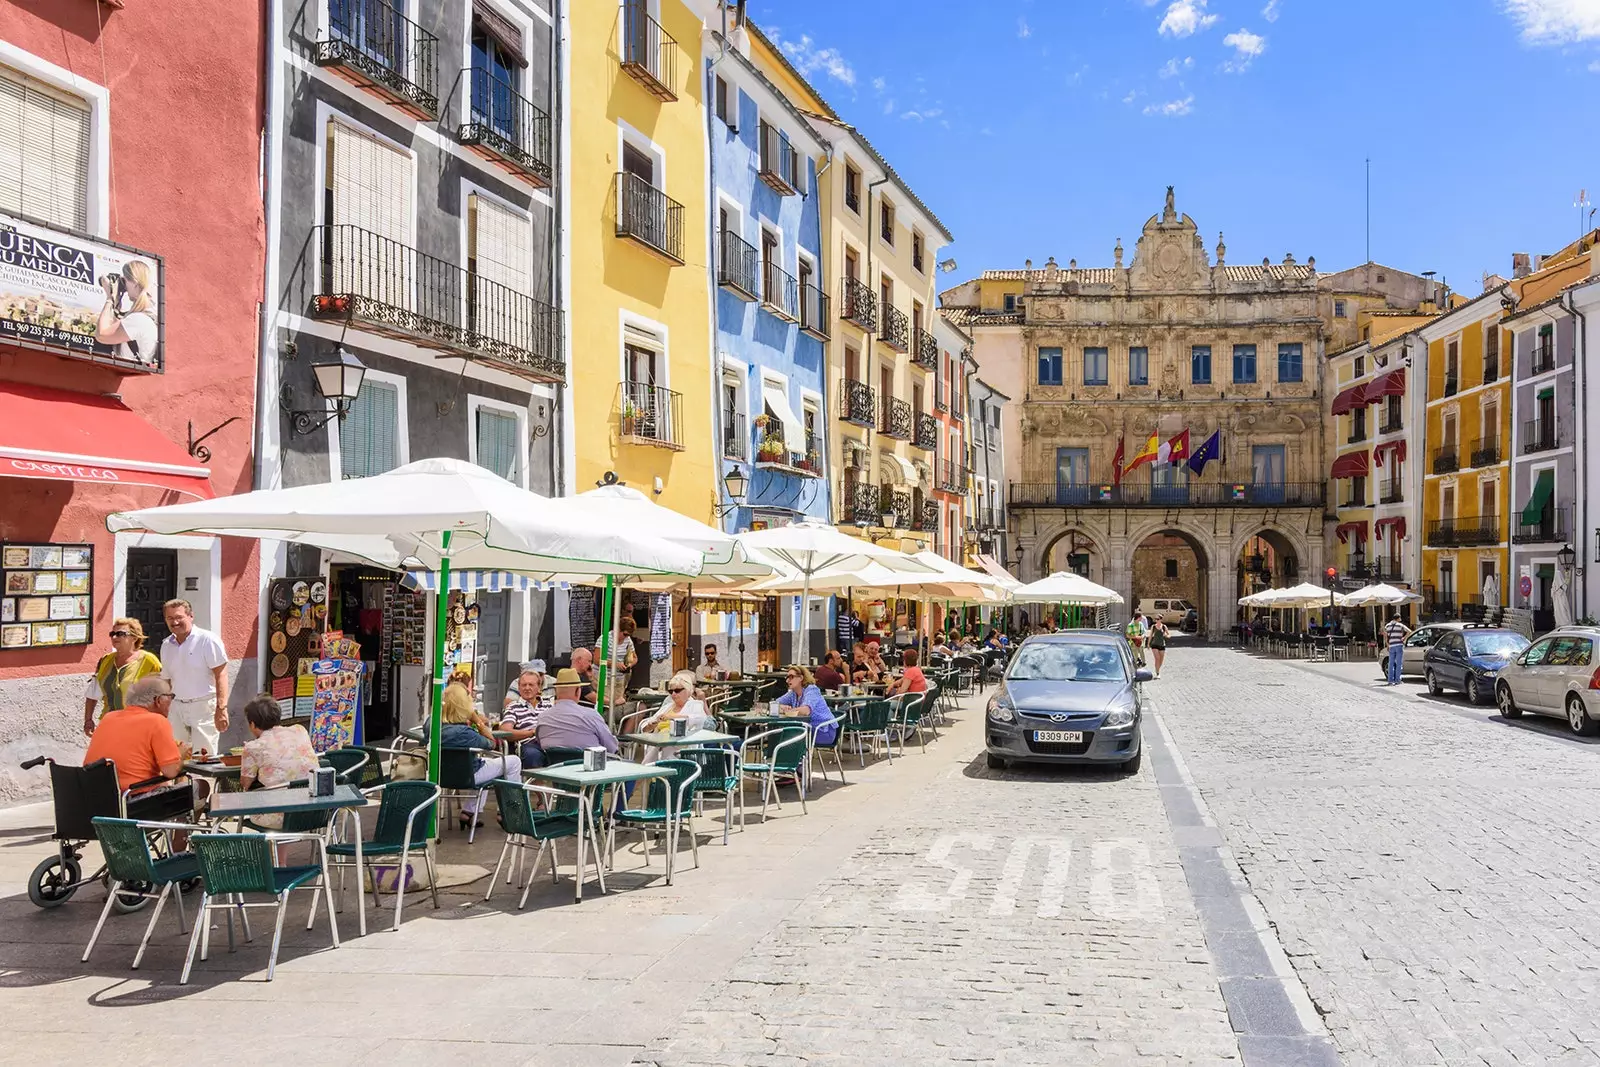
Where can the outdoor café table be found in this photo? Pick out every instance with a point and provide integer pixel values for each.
(572, 776)
(291, 801)
(213, 769)
(699, 737)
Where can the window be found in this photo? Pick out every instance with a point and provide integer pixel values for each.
(1049, 368)
(1200, 364)
(498, 445)
(916, 250)
(1360, 367)
(886, 221)
(44, 152)
(852, 188)
(1094, 366)
(810, 419)
(369, 436)
(1172, 568)
(727, 101)
(367, 203)
(496, 75)
(1138, 366)
(1008, 303)
(1291, 362)
(638, 162)
(1338, 309)
(499, 262)
(1244, 364)
(1072, 475)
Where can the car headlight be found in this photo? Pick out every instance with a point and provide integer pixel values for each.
(1122, 716)
(1001, 709)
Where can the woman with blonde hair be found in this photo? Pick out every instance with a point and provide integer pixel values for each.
(132, 329)
(118, 669)
(681, 703)
(465, 728)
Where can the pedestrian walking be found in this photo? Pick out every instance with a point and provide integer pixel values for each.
(1135, 632)
(1158, 642)
(1397, 632)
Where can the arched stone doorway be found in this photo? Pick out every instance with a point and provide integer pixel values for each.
(1266, 560)
(1170, 564)
(1075, 550)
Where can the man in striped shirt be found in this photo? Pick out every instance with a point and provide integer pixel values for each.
(1397, 632)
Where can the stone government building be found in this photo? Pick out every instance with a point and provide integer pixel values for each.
(1171, 341)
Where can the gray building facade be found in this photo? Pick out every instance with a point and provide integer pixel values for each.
(1544, 449)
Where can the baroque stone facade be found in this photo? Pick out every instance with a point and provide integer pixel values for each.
(1172, 341)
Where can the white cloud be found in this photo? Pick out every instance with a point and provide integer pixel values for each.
(1133, 94)
(888, 106)
(932, 112)
(914, 116)
(1174, 67)
(1172, 108)
(1555, 21)
(1270, 12)
(1023, 29)
(1246, 47)
(1594, 67)
(878, 84)
(1186, 17)
(809, 59)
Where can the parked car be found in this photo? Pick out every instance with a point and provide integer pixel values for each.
(1191, 621)
(1071, 697)
(1556, 675)
(1418, 642)
(1173, 610)
(1470, 660)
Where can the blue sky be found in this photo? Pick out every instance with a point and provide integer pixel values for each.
(1052, 127)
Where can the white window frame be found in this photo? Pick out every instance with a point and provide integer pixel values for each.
(476, 403)
(628, 134)
(916, 237)
(402, 425)
(886, 207)
(98, 98)
(811, 400)
(470, 187)
(739, 371)
(659, 332)
(511, 14)
(861, 188)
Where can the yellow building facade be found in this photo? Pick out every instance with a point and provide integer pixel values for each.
(638, 252)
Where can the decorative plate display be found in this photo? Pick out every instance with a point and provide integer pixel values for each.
(279, 642)
(319, 592)
(275, 621)
(301, 594)
(280, 665)
(280, 597)
(319, 611)
(472, 613)
(293, 625)
(458, 615)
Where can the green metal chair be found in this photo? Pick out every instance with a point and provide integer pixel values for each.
(348, 763)
(913, 710)
(234, 864)
(393, 838)
(553, 756)
(524, 826)
(819, 749)
(458, 780)
(719, 773)
(376, 771)
(666, 807)
(134, 870)
(872, 720)
(788, 750)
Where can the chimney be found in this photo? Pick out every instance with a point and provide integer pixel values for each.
(1520, 267)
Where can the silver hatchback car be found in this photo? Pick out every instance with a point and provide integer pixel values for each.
(1556, 675)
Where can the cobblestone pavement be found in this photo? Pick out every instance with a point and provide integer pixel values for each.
(1431, 870)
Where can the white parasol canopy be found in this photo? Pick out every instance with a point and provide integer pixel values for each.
(1304, 595)
(1561, 598)
(1491, 592)
(1065, 587)
(1380, 595)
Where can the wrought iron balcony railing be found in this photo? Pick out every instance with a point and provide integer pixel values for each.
(1391, 423)
(1442, 533)
(1452, 384)
(814, 311)
(1485, 452)
(859, 506)
(1484, 530)
(1540, 435)
(939, 401)
(924, 350)
(649, 53)
(1491, 369)
(892, 499)
(858, 304)
(1387, 570)
(389, 288)
(895, 416)
(777, 451)
(650, 415)
(739, 266)
(779, 293)
(649, 216)
(371, 44)
(735, 437)
(925, 517)
(1553, 526)
(926, 435)
(506, 128)
(1543, 357)
(780, 163)
(857, 404)
(952, 477)
(1143, 494)
(1446, 459)
(896, 332)
(990, 518)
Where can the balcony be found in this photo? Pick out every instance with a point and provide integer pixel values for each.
(372, 45)
(896, 332)
(989, 519)
(925, 517)
(505, 128)
(939, 401)
(650, 415)
(391, 289)
(776, 452)
(896, 501)
(895, 416)
(1540, 435)
(1452, 384)
(1357, 571)
(1142, 494)
(649, 216)
(814, 311)
(779, 292)
(780, 163)
(924, 350)
(649, 54)
(1485, 452)
(1446, 460)
(1392, 491)
(735, 437)
(1387, 570)
(952, 478)
(860, 505)
(1484, 530)
(738, 266)
(858, 304)
(1491, 369)
(1543, 358)
(1442, 533)
(857, 403)
(926, 436)
(1553, 527)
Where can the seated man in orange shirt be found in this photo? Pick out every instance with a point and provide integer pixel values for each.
(138, 739)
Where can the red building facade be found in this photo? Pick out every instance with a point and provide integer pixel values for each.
(131, 258)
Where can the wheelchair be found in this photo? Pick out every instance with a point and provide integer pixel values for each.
(80, 794)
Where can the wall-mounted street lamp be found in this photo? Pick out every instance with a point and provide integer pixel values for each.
(736, 483)
(339, 380)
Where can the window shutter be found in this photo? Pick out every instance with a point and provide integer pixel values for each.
(372, 241)
(501, 250)
(44, 152)
(498, 449)
(369, 436)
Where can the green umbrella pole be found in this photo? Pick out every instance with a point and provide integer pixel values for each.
(605, 644)
(441, 609)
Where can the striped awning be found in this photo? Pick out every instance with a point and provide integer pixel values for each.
(1391, 384)
(478, 581)
(1398, 447)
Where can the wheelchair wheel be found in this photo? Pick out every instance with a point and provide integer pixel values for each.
(53, 882)
(128, 899)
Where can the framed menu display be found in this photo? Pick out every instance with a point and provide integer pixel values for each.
(48, 595)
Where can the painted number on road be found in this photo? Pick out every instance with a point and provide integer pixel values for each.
(1122, 880)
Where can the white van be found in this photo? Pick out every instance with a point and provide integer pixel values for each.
(1172, 610)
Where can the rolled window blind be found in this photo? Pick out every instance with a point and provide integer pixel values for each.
(372, 184)
(502, 262)
(44, 152)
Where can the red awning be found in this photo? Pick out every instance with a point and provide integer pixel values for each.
(1398, 447)
(1349, 400)
(1345, 529)
(1391, 384)
(1352, 465)
(1398, 522)
(79, 437)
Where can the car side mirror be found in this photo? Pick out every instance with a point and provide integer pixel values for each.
(1142, 676)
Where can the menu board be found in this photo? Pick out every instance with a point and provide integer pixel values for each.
(49, 595)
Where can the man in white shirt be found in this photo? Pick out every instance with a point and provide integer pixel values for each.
(195, 663)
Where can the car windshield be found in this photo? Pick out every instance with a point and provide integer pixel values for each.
(1495, 644)
(1062, 662)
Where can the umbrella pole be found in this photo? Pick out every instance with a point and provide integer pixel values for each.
(605, 643)
(441, 608)
(805, 600)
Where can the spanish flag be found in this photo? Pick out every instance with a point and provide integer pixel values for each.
(1147, 454)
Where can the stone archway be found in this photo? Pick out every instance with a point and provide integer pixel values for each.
(1169, 563)
(1267, 558)
(1073, 548)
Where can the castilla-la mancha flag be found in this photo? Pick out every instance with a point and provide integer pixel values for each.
(1174, 450)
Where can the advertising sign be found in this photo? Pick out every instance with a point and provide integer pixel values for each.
(91, 297)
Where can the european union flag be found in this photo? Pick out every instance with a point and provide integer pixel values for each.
(1209, 450)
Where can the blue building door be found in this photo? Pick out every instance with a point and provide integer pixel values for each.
(1072, 475)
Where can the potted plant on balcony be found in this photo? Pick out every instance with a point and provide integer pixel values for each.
(771, 450)
(762, 420)
(637, 421)
(812, 462)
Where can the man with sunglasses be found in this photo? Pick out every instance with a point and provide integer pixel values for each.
(138, 739)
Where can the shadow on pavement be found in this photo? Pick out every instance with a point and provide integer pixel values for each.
(978, 767)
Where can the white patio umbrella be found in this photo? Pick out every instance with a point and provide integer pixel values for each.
(1065, 587)
(1304, 595)
(968, 585)
(1380, 595)
(810, 548)
(1491, 592)
(432, 515)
